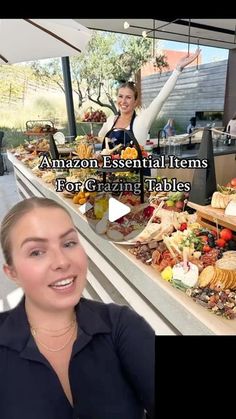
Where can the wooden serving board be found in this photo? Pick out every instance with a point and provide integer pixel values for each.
(210, 217)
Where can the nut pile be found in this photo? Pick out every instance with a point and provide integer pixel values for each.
(222, 303)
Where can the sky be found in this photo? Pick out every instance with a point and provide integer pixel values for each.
(209, 54)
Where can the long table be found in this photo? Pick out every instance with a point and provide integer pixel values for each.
(115, 275)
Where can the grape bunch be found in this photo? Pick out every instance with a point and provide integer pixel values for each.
(94, 116)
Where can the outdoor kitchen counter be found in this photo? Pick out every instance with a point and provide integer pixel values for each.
(116, 275)
(224, 157)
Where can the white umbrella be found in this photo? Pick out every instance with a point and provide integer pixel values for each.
(34, 39)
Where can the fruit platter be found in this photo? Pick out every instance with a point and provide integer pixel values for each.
(92, 115)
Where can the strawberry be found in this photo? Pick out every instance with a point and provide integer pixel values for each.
(183, 226)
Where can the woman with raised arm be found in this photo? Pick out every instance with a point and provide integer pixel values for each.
(127, 124)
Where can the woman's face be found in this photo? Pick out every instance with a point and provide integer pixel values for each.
(48, 261)
(126, 101)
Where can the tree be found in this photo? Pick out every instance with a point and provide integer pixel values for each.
(110, 59)
(49, 72)
(92, 70)
(135, 51)
(96, 72)
(86, 69)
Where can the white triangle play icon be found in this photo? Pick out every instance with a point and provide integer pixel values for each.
(116, 209)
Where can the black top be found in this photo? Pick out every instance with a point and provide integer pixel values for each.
(120, 135)
(124, 137)
(111, 369)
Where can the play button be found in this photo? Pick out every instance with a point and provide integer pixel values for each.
(116, 210)
(120, 219)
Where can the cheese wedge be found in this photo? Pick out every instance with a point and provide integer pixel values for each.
(231, 208)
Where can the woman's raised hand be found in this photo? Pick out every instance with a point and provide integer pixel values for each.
(187, 59)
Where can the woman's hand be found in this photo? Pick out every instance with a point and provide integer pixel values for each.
(187, 59)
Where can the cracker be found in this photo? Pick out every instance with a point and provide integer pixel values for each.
(206, 276)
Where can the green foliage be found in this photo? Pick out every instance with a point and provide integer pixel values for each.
(48, 72)
(160, 123)
(135, 51)
(12, 137)
(180, 128)
(159, 62)
(156, 126)
(108, 58)
(94, 65)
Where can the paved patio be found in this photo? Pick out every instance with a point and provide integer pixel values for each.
(9, 292)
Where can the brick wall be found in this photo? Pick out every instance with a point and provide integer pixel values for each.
(172, 57)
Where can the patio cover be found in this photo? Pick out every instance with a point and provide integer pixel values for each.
(219, 33)
(34, 39)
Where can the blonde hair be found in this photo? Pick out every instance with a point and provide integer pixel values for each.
(15, 214)
(131, 85)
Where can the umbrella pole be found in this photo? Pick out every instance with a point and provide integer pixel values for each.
(69, 97)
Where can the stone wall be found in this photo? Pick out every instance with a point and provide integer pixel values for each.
(202, 90)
